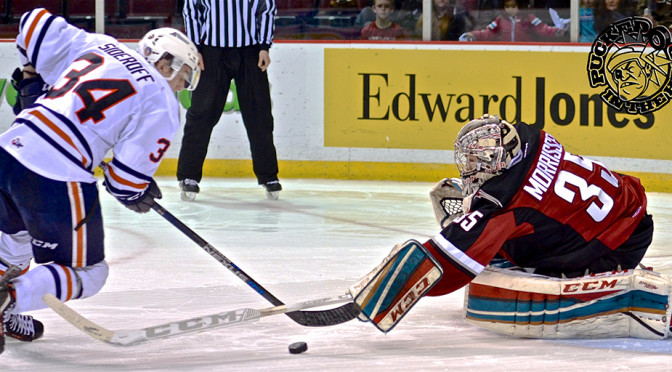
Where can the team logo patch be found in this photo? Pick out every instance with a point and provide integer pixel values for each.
(631, 59)
(16, 142)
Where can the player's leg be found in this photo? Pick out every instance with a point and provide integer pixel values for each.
(15, 252)
(65, 228)
(207, 104)
(255, 106)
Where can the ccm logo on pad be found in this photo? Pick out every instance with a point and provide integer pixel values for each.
(596, 285)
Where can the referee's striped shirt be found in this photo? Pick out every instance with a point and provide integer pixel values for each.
(230, 23)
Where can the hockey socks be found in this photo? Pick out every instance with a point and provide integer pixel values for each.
(387, 294)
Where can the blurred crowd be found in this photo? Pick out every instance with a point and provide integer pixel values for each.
(490, 20)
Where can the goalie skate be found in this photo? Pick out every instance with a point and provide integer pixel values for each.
(405, 276)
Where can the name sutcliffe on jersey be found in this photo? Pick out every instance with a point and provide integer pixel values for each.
(547, 166)
(131, 64)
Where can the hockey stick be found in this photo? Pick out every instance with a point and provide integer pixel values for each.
(319, 318)
(134, 337)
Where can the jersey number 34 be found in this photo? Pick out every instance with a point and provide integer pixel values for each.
(117, 90)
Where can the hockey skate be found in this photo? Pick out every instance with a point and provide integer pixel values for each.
(273, 189)
(189, 189)
(21, 327)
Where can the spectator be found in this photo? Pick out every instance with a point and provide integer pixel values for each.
(660, 13)
(610, 11)
(587, 32)
(449, 20)
(241, 54)
(383, 28)
(366, 15)
(513, 26)
(406, 14)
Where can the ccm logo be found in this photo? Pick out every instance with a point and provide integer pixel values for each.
(46, 245)
(409, 299)
(590, 286)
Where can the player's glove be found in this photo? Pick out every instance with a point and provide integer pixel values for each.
(142, 202)
(28, 90)
(446, 197)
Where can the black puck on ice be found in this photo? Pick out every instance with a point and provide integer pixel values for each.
(298, 347)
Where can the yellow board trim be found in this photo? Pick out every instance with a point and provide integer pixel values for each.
(343, 170)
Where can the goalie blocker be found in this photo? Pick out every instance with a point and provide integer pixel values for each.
(629, 303)
(387, 293)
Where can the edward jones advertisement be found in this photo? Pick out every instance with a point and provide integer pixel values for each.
(419, 99)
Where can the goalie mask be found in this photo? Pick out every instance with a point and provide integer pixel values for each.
(175, 46)
(483, 149)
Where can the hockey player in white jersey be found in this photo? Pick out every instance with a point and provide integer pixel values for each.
(103, 96)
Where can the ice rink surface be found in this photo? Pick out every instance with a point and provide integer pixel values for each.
(321, 236)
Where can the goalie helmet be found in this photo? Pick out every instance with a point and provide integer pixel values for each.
(483, 149)
(172, 44)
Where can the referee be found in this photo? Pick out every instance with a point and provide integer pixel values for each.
(233, 38)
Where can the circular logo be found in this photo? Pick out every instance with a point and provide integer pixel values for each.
(631, 59)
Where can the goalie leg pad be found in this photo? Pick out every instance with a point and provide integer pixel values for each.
(629, 303)
(396, 287)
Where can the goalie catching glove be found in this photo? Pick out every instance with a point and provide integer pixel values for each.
(446, 197)
(387, 293)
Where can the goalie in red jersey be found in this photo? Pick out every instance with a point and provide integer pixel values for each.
(523, 199)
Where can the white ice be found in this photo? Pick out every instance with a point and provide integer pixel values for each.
(321, 236)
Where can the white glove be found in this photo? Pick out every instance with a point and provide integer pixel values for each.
(467, 36)
(559, 22)
(446, 197)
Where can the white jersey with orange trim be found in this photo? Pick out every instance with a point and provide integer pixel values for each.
(104, 96)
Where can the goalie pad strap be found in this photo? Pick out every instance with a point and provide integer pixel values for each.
(630, 303)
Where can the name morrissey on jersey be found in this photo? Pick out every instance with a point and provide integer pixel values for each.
(547, 166)
(131, 64)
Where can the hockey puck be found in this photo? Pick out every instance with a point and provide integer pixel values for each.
(298, 347)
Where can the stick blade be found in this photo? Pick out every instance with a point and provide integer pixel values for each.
(92, 329)
(325, 318)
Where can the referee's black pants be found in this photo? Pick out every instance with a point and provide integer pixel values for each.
(207, 104)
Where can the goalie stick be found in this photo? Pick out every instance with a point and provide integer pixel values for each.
(178, 328)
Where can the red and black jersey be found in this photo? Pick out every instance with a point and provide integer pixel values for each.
(549, 210)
